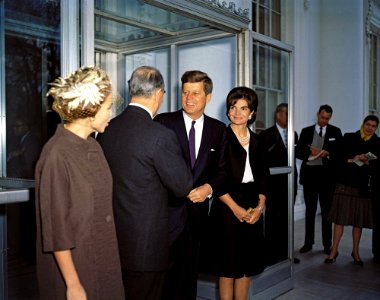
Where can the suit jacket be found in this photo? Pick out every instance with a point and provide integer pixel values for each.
(277, 153)
(350, 173)
(277, 156)
(208, 168)
(236, 156)
(146, 164)
(331, 143)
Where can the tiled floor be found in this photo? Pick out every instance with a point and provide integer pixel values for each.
(341, 280)
(312, 278)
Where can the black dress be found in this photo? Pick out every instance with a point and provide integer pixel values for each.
(239, 246)
(352, 203)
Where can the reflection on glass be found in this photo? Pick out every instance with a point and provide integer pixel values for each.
(121, 21)
(158, 59)
(271, 83)
(32, 59)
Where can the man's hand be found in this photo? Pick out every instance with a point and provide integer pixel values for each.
(200, 193)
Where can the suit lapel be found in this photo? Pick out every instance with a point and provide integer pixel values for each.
(180, 130)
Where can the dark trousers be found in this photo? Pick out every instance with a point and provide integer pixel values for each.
(143, 285)
(276, 220)
(184, 256)
(318, 184)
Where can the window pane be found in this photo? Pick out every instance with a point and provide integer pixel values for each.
(276, 69)
(276, 5)
(276, 26)
(264, 2)
(261, 109)
(376, 79)
(32, 59)
(264, 61)
(263, 20)
(158, 59)
(273, 80)
(254, 17)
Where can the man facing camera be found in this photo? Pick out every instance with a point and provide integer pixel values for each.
(202, 140)
(146, 164)
(318, 150)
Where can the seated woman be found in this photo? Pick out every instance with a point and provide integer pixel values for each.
(237, 217)
(352, 200)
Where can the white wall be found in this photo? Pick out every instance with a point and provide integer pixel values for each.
(328, 37)
(306, 41)
(342, 63)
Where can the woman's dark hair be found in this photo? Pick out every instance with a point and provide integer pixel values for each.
(371, 118)
(243, 93)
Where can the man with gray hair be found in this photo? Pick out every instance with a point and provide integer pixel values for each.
(146, 163)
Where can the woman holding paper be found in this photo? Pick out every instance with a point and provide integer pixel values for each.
(352, 199)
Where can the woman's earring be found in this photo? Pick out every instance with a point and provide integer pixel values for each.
(92, 119)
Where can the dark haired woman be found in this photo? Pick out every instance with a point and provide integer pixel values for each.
(238, 214)
(352, 199)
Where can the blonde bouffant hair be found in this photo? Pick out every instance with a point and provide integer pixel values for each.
(80, 94)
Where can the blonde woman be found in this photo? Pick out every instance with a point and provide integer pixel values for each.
(77, 255)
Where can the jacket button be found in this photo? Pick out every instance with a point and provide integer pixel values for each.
(108, 218)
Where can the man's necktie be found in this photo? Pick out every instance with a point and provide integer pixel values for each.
(192, 144)
(320, 131)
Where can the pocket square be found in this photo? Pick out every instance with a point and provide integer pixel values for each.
(331, 139)
(212, 150)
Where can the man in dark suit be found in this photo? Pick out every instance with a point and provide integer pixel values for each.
(204, 154)
(317, 148)
(275, 139)
(146, 164)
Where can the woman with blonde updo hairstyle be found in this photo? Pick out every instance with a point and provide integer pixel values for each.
(77, 254)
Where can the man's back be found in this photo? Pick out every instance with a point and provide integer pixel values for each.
(145, 160)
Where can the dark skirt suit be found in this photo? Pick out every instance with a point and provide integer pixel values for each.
(74, 212)
(240, 246)
(352, 199)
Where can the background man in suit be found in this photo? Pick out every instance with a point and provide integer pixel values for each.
(317, 148)
(146, 164)
(205, 157)
(275, 140)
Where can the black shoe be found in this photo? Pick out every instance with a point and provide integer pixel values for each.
(296, 260)
(332, 260)
(357, 262)
(306, 248)
(376, 259)
(327, 250)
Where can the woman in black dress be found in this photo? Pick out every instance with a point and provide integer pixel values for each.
(352, 199)
(238, 221)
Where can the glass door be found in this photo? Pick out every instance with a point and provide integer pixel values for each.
(30, 53)
(272, 78)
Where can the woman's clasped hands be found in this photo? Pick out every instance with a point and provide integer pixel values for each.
(250, 215)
